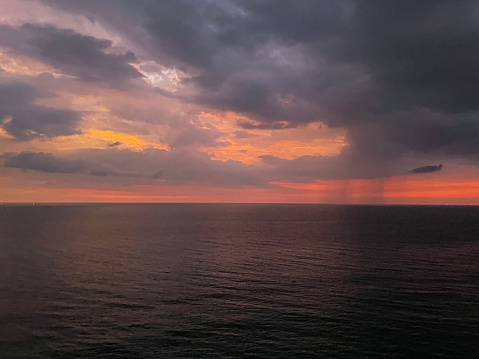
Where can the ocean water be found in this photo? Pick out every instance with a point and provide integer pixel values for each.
(238, 281)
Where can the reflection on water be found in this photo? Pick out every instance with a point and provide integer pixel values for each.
(184, 280)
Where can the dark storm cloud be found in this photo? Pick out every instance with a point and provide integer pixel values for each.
(426, 169)
(421, 53)
(241, 56)
(422, 130)
(25, 120)
(400, 76)
(74, 54)
(44, 162)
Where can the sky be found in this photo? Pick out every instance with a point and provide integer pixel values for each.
(320, 101)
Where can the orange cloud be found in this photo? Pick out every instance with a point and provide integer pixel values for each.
(5, 134)
(289, 149)
(314, 139)
(130, 141)
(98, 139)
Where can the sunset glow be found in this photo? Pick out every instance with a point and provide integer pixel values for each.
(134, 102)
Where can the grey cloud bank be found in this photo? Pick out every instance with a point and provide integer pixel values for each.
(74, 54)
(341, 62)
(25, 120)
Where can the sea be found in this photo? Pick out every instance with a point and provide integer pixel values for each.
(238, 281)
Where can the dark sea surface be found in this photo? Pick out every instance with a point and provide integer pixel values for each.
(238, 281)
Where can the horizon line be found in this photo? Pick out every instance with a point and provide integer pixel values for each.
(24, 203)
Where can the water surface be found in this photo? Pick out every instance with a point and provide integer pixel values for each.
(238, 281)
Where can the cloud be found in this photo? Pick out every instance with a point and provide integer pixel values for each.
(25, 120)
(193, 136)
(400, 77)
(178, 166)
(49, 163)
(184, 166)
(114, 144)
(174, 167)
(420, 53)
(426, 169)
(44, 162)
(311, 168)
(344, 63)
(74, 54)
(248, 125)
